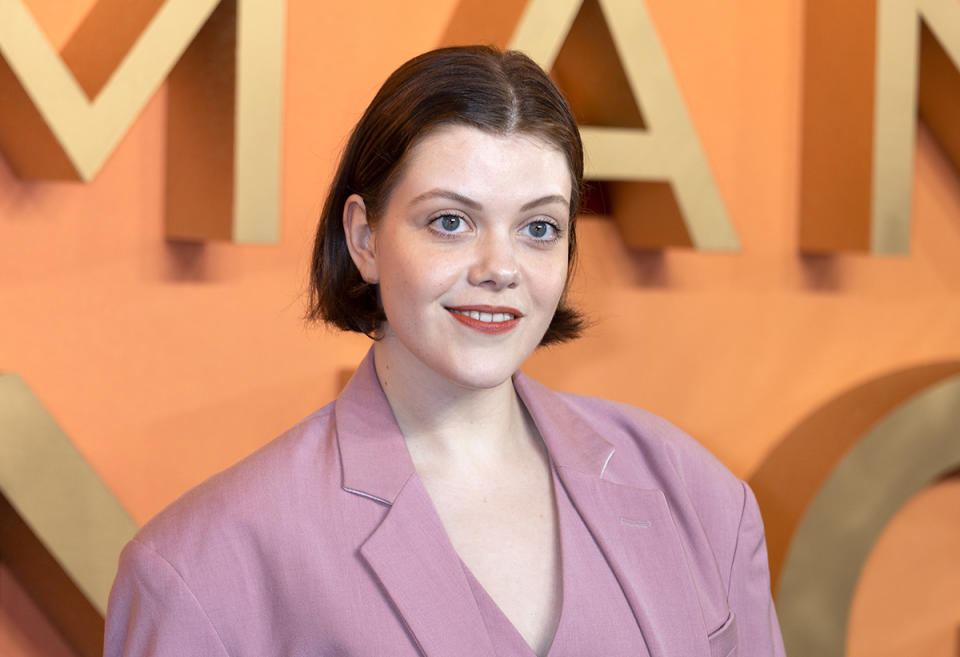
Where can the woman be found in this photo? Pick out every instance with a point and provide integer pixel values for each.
(445, 504)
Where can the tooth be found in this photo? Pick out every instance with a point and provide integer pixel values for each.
(485, 317)
(474, 314)
(499, 317)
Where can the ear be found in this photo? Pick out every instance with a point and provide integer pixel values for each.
(360, 238)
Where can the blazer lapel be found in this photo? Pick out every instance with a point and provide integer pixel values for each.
(421, 572)
(636, 534)
(633, 527)
(409, 552)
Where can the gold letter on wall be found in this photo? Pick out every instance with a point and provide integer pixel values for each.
(862, 93)
(56, 514)
(62, 114)
(636, 131)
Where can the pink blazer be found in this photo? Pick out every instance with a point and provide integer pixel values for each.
(325, 542)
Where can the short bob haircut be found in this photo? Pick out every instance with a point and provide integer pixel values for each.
(501, 92)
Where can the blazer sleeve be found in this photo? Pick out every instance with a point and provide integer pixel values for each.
(153, 613)
(749, 596)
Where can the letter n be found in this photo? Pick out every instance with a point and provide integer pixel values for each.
(870, 67)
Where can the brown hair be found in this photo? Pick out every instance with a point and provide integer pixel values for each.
(502, 92)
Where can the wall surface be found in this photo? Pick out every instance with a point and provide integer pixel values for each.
(166, 362)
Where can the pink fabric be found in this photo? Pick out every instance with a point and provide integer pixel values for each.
(595, 618)
(325, 542)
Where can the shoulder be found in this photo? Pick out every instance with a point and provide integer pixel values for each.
(252, 496)
(193, 576)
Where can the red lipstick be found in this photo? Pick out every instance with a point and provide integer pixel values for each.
(475, 316)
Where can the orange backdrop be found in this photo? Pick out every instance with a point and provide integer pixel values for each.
(166, 362)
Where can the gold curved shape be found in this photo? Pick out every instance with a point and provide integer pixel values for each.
(913, 445)
(792, 472)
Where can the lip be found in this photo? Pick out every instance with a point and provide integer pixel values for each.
(486, 327)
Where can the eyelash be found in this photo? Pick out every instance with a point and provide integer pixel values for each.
(446, 234)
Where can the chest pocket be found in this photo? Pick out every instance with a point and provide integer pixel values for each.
(723, 640)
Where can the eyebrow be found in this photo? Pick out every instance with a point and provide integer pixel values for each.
(470, 203)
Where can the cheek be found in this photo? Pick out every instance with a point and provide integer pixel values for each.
(408, 280)
(549, 281)
(560, 285)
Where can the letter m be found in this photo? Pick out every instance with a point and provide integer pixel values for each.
(62, 114)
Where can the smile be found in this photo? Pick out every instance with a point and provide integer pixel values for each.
(484, 317)
(487, 319)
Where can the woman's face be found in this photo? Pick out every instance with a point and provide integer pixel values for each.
(470, 253)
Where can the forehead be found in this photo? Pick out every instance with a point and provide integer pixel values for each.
(478, 163)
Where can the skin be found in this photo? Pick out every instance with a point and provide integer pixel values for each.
(476, 221)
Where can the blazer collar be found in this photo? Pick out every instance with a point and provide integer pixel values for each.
(571, 442)
(415, 562)
(375, 459)
(376, 462)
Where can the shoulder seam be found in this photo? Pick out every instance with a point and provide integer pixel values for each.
(186, 586)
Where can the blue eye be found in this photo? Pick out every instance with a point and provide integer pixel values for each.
(541, 230)
(449, 223)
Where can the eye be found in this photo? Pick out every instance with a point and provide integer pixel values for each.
(449, 223)
(541, 230)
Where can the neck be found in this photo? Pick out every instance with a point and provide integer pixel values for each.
(447, 425)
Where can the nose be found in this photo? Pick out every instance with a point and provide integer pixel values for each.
(494, 263)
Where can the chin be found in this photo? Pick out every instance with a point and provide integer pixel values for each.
(478, 368)
(470, 366)
(480, 375)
